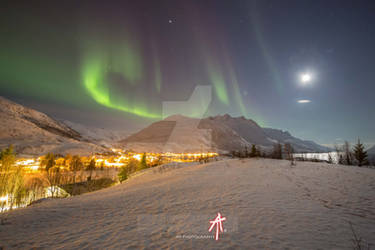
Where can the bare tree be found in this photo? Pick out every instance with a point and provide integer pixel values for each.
(91, 167)
(277, 152)
(16, 188)
(330, 160)
(36, 186)
(289, 151)
(12, 188)
(246, 153)
(75, 166)
(52, 173)
(348, 156)
(339, 155)
(54, 179)
(7, 158)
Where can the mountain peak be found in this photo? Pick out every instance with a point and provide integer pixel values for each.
(221, 133)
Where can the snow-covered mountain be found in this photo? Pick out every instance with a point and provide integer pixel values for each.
(100, 136)
(35, 133)
(301, 145)
(371, 150)
(175, 134)
(219, 133)
(371, 154)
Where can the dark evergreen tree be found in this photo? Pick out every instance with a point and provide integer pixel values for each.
(143, 163)
(123, 173)
(360, 154)
(254, 151)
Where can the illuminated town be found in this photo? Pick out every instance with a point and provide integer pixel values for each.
(49, 175)
(120, 158)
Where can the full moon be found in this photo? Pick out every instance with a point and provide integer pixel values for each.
(305, 78)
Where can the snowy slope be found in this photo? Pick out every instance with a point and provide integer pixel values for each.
(35, 133)
(268, 204)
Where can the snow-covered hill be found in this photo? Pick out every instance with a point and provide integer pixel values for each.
(268, 204)
(35, 133)
(220, 133)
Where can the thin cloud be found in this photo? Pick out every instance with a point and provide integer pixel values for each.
(304, 101)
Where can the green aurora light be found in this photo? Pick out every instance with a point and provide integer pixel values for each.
(32, 71)
(218, 83)
(95, 67)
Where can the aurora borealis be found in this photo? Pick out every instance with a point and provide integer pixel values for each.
(117, 67)
(124, 59)
(101, 69)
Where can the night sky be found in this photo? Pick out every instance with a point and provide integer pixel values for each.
(112, 64)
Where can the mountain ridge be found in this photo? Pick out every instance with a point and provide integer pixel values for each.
(226, 133)
(34, 133)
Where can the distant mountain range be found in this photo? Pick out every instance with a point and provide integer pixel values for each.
(35, 133)
(371, 154)
(219, 133)
(371, 150)
(100, 136)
